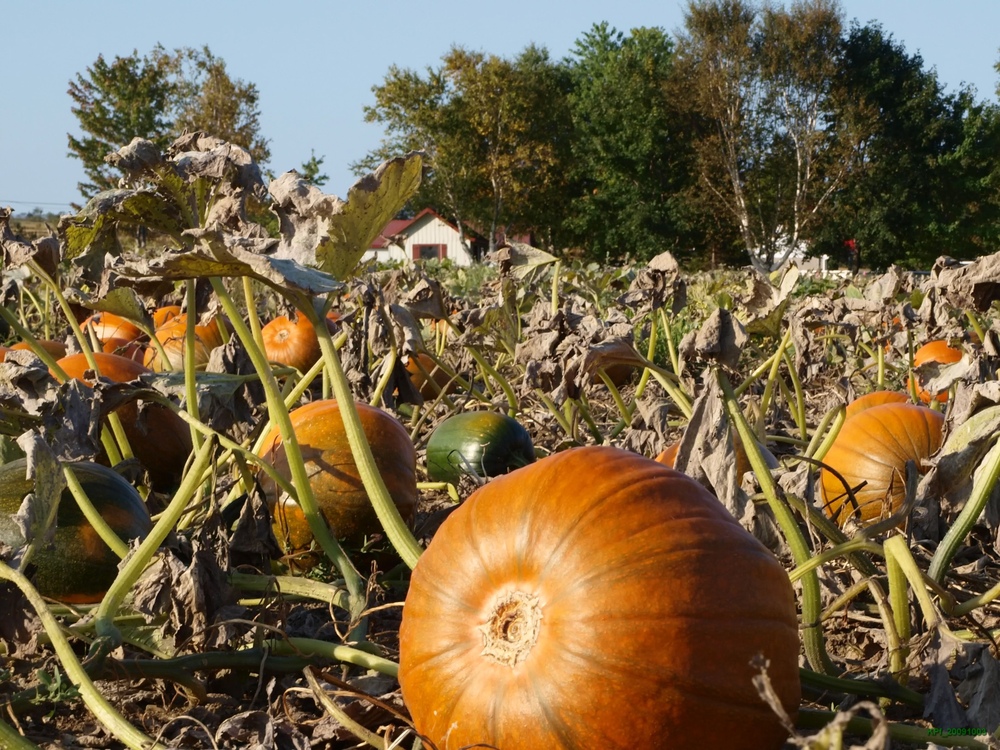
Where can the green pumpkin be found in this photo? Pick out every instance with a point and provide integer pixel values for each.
(480, 443)
(77, 567)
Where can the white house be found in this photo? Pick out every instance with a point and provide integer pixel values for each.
(424, 237)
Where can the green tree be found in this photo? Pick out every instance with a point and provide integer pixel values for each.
(770, 152)
(158, 97)
(115, 102)
(494, 133)
(311, 170)
(208, 99)
(631, 160)
(917, 187)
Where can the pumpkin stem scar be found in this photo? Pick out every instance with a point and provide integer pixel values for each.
(511, 630)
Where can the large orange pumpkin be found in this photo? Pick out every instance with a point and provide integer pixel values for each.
(56, 348)
(938, 352)
(875, 398)
(333, 473)
(292, 344)
(872, 449)
(596, 599)
(160, 440)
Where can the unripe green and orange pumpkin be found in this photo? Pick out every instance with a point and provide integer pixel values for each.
(479, 443)
(77, 566)
(597, 599)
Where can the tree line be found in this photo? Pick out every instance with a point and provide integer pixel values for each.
(755, 131)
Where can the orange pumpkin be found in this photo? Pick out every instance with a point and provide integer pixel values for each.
(875, 398)
(56, 348)
(172, 336)
(872, 449)
(427, 377)
(596, 599)
(291, 344)
(668, 456)
(129, 349)
(160, 440)
(334, 476)
(110, 326)
(938, 352)
(163, 314)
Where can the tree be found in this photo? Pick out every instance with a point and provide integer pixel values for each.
(114, 103)
(493, 131)
(770, 153)
(208, 99)
(158, 97)
(311, 170)
(631, 161)
(919, 185)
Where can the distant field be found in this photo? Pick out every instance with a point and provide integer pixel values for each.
(32, 229)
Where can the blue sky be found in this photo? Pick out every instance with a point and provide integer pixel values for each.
(316, 62)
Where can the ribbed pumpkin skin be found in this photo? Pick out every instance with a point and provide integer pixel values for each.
(110, 326)
(333, 474)
(874, 446)
(483, 443)
(78, 567)
(653, 601)
(173, 334)
(875, 398)
(293, 344)
(160, 439)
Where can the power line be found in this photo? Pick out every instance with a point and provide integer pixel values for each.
(34, 203)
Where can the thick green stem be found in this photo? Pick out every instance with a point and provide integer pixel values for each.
(190, 373)
(133, 567)
(900, 601)
(106, 714)
(488, 369)
(11, 740)
(982, 487)
(396, 530)
(296, 465)
(812, 632)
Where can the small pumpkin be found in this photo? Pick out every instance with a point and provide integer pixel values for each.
(172, 336)
(334, 476)
(875, 398)
(937, 352)
(110, 326)
(160, 440)
(668, 456)
(291, 344)
(872, 449)
(427, 377)
(77, 567)
(596, 599)
(479, 443)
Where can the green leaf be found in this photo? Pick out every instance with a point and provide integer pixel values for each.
(371, 203)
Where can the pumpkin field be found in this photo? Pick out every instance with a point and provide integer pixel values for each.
(258, 493)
